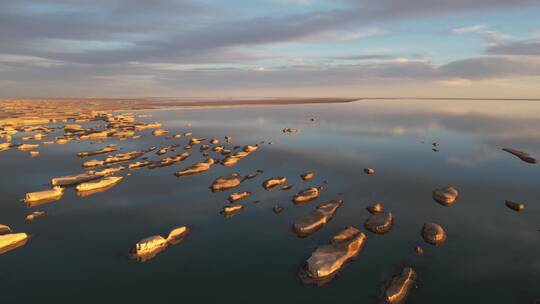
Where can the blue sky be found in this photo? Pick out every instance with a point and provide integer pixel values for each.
(265, 48)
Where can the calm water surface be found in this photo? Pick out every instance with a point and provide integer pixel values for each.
(78, 252)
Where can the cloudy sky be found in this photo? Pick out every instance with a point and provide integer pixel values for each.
(270, 48)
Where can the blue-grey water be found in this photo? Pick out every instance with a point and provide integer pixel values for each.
(78, 253)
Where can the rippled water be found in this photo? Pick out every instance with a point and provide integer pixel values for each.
(79, 252)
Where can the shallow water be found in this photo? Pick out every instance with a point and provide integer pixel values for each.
(79, 252)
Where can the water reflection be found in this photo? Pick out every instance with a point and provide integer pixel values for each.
(490, 255)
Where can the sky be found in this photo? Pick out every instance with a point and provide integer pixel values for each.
(270, 48)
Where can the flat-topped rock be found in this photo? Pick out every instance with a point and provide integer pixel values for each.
(197, 168)
(369, 170)
(514, 205)
(445, 196)
(526, 157)
(400, 286)
(433, 234)
(149, 247)
(317, 219)
(46, 195)
(327, 260)
(273, 182)
(232, 209)
(35, 215)
(70, 180)
(4, 229)
(376, 208)
(380, 223)
(234, 197)
(307, 176)
(226, 182)
(306, 195)
(102, 183)
(249, 149)
(11, 241)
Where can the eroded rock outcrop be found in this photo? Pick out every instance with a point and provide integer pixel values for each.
(102, 183)
(445, 196)
(526, 157)
(317, 219)
(307, 195)
(399, 287)
(234, 197)
(71, 180)
(514, 205)
(376, 208)
(326, 261)
(149, 247)
(380, 223)
(226, 182)
(433, 234)
(273, 182)
(197, 168)
(44, 196)
(307, 176)
(12, 241)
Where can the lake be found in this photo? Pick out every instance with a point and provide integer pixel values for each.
(79, 252)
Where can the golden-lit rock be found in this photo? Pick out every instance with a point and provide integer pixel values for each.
(139, 164)
(234, 197)
(5, 146)
(102, 183)
(159, 132)
(380, 223)
(228, 138)
(317, 219)
(273, 182)
(33, 153)
(400, 286)
(214, 141)
(526, 157)
(93, 163)
(232, 209)
(306, 195)
(168, 161)
(327, 260)
(177, 234)
(27, 147)
(34, 215)
(11, 241)
(197, 168)
(226, 182)
(290, 130)
(369, 170)
(376, 208)
(230, 161)
(419, 250)
(514, 205)
(249, 149)
(345, 234)
(109, 171)
(149, 247)
(433, 234)
(445, 196)
(307, 176)
(107, 149)
(4, 229)
(52, 194)
(70, 180)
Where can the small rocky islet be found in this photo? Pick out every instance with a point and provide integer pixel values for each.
(320, 268)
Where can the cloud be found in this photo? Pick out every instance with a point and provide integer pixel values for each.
(522, 47)
(469, 29)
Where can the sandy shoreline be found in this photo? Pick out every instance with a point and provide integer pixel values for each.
(60, 108)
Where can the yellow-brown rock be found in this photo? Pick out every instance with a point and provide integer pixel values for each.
(102, 183)
(197, 168)
(433, 234)
(11, 241)
(445, 196)
(306, 195)
(327, 260)
(234, 197)
(400, 286)
(274, 182)
(380, 223)
(226, 182)
(52, 194)
(317, 219)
